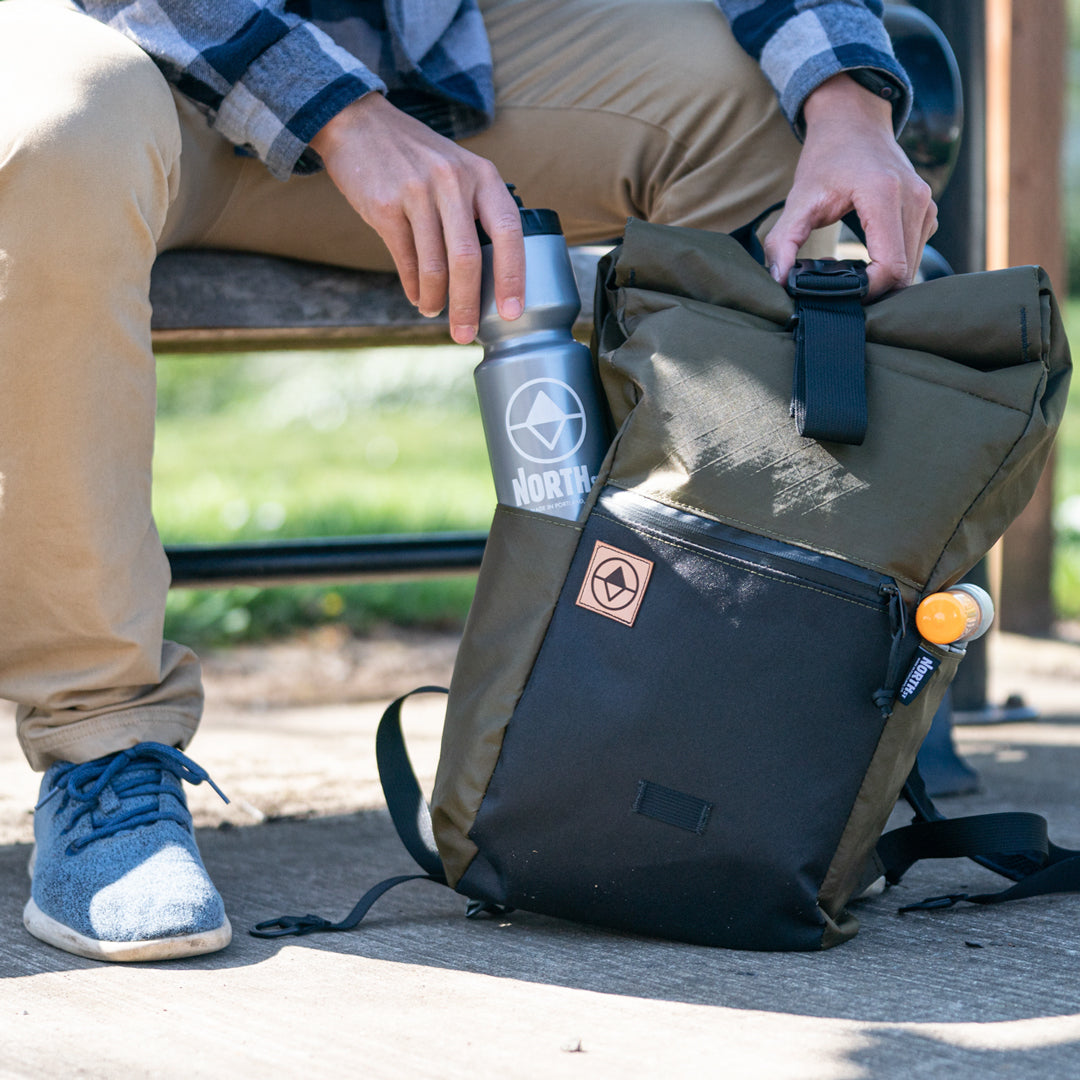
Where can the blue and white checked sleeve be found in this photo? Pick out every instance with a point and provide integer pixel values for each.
(801, 43)
(267, 79)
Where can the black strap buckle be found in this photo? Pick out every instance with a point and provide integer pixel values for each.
(832, 279)
(291, 926)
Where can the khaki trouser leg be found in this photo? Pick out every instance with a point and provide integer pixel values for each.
(645, 108)
(89, 147)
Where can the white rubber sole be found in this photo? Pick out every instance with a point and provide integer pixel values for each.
(63, 937)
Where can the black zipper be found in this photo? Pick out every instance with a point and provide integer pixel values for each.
(785, 561)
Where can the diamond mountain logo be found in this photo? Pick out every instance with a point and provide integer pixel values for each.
(545, 421)
(614, 583)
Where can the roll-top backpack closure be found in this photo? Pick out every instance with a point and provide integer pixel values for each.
(966, 379)
(686, 714)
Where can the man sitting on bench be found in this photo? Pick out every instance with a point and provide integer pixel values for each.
(367, 134)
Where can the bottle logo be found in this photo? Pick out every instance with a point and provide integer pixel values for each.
(615, 583)
(545, 421)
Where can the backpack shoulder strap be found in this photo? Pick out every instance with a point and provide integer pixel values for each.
(1014, 845)
(404, 799)
(410, 815)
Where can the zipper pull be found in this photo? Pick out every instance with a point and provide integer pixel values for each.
(886, 696)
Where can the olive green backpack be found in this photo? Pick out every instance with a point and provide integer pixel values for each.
(691, 713)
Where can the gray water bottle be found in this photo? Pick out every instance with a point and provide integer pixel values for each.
(543, 414)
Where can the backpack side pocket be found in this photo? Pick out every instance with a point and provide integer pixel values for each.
(885, 775)
(525, 563)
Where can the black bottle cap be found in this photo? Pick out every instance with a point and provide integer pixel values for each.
(533, 222)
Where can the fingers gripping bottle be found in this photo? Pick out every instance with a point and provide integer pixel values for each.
(544, 418)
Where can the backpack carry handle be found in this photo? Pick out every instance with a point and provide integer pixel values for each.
(828, 397)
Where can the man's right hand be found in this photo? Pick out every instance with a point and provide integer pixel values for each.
(422, 193)
(850, 160)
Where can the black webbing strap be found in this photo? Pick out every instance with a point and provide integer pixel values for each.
(961, 838)
(299, 925)
(404, 799)
(828, 398)
(1059, 873)
(410, 815)
(1014, 866)
(1014, 845)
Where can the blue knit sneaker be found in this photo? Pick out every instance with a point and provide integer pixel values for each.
(116, 872)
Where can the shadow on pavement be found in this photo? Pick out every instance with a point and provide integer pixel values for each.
(966, 965)
(896, 1052)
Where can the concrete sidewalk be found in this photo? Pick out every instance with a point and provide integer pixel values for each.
(419, 991)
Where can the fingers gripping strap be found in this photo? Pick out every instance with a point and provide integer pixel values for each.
(828, 397)
(404, 800)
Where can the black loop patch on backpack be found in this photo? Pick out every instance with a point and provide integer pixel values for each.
(672, 807)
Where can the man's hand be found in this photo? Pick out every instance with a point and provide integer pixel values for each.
(850, 160)
(423, 194)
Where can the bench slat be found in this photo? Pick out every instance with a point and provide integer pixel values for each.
(209, 301)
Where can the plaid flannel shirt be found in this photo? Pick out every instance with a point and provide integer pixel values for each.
(270, 73)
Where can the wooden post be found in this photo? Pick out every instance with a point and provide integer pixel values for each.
(1025, 108)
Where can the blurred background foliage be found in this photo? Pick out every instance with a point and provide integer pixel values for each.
(271, 445)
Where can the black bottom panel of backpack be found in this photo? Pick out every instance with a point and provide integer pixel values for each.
(692, 737)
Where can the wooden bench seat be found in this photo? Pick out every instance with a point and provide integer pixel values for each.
(213, 301)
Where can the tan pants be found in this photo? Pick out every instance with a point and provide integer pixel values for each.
(607, 109)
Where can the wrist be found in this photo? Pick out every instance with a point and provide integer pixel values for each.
(336, 130)
(842, 99)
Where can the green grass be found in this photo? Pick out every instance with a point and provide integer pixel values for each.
(268, 446)
(265, 446)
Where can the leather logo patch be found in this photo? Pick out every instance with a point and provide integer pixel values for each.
(615, 583)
